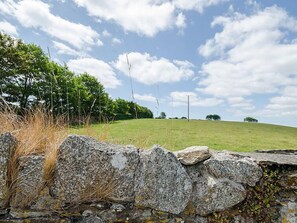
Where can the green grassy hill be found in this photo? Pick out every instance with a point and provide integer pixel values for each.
(179, 134)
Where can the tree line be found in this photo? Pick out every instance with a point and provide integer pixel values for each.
(29, 79)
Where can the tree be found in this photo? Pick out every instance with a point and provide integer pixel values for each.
(28, 78)
(250, 119)
(209, 117)
(126, 110)
(214, 117)
(122, 109)
(22, 66)
(162, 115)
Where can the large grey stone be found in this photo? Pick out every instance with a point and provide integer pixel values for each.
(270, 158)
(278, 151)
(211, 194)
(193, 155)
(163, 184)
(29, 181)
(89, 170)
(241, 170)
(7, 145)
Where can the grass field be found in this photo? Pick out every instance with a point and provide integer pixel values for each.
(179, 134)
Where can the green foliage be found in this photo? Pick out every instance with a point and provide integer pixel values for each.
(250, 119)
(214, 117)
(261, 198)
(22, 66)
(28, 79)
(129, 110)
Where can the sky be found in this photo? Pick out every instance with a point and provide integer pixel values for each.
(234, 58)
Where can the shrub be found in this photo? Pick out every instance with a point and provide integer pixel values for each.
(213, 117)
(250, 119)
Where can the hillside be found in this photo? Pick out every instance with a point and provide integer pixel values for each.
(178, 134)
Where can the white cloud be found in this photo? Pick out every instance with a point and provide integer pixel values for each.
(180, 98)
(283, 104)
(181, 21)
(241, 103)
(197, 5)
(99, 43)
(7, 7)
(99, 69)
(116, 41)
(106, 33)
(145, 97)
(37, 14)
(145, 17)
(151, 70)
(251, 55)
(8, 28)
(64, 49)
(254, 5)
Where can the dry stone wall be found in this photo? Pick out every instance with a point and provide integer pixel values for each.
(98, 182)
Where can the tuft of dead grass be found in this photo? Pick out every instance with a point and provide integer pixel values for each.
(97, 189)
(37, 133)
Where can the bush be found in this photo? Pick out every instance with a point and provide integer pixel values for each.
(250, 119)
(213, 117)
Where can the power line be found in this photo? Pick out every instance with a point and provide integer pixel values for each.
(131, 84)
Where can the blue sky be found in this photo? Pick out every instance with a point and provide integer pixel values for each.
(233, 58)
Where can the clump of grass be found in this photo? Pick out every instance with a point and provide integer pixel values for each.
(98, 189)
(9, 120)
(37, 133)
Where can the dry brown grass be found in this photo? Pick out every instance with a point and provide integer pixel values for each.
(98, 189)
(37, 134)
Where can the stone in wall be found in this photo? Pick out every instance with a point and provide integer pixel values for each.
(193, 155)
(89, 170)
(270, 158)
(30, 183)
(211, 194)
(7, 144)
(241, 170)
(163, 184)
